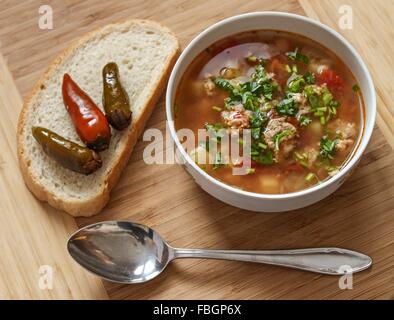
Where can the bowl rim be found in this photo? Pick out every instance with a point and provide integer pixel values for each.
(363, 141)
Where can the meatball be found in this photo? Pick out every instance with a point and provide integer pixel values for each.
(287, 143)
(276, 126)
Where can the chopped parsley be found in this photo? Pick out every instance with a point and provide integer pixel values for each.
(263, 157)
(287, 107)
(310, 78)
(356, 88)
(327, 147)
(218, 161)
(258, 119)
(296, 56)
(255, 132)
(323, 106)
(261, 154)
(223, 84)
(280, 136)
(251, 93)
(304, 120)
(262, 145)
(295, 83)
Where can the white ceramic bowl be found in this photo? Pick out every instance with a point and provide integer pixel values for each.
(283, 22)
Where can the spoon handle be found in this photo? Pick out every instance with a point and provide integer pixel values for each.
(332, 261)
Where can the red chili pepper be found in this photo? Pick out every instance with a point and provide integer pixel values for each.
(332, 79)
(89, 121)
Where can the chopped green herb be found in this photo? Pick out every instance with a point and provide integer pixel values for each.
(301, 158)
(249, 101)
(262, 145)
(304, 120)
(310, 176)
(229, 102)
(327, 98)
(213, 127)
(223, 84)
(294, 69)
(255, 132)
(327, 147)
(309, 91)
(287, 107)
(324, 106)
(266, 107)
(356, 88)
(295, 83)
(263, 157)
(280, 136)
(310, 78)
(250, 170)
(251, 58)
(296, 56)
(259, 75)
(251, 93)
(218, 161)
(216, 108)
(268, 90)
(258, 119)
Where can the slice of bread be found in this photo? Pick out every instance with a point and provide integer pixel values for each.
(145, 53)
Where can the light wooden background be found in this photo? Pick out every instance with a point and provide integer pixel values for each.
(359, 216)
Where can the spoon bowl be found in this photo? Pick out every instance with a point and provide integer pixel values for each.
(120, 251)
(127, 252)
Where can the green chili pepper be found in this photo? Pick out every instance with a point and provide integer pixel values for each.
(67, 153)
(115, 98)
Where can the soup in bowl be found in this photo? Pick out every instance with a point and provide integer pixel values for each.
(306, 110)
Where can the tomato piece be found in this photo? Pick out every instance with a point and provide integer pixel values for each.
(332, 79)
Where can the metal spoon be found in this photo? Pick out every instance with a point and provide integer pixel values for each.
(127, 252)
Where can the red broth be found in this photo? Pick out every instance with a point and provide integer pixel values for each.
(300, 100)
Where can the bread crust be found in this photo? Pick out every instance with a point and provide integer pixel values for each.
(93, 205)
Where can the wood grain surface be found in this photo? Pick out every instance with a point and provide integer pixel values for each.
(359, 216)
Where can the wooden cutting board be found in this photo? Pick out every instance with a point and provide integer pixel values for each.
(359, 216)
